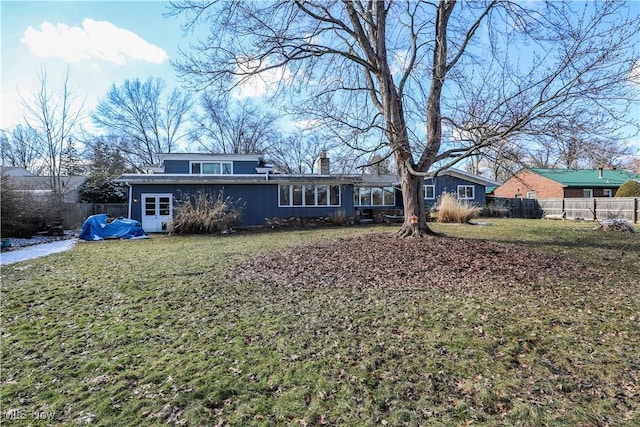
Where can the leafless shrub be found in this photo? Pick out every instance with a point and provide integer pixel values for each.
(339, 217)
(24, 212)
(204, 213)
(453, 210)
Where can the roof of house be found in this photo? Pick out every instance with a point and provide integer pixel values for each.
(34, 183)
(478, 179)
(587, 177)
(395, 180)
(14, 171)
(235, 179)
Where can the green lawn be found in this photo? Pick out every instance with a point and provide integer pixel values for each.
(147, 332)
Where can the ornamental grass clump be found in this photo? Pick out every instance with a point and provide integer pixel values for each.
(204, 213)
(453, 210)
(339, 217)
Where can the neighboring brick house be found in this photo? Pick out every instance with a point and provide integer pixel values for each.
(543, 183)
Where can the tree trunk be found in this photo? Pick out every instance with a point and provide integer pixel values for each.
(415, 218)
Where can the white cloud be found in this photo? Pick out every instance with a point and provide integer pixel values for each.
(94, 40)
(259, 84)
(306, 125)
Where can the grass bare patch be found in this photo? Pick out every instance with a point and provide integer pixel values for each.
(158, 331)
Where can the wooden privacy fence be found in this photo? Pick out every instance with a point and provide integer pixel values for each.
(74, 214)
(580, 208)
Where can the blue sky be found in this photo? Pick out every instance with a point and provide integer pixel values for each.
(99, 42)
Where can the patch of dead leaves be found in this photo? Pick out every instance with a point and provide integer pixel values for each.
(384, 261)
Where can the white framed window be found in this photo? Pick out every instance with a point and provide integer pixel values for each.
(374, 196)
(308, 195)
(429, 192)
(211, 168)
(607, 192)
(466, 192)
(531, 194)
(587, 193)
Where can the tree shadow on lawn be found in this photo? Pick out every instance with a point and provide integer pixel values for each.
(581, 238)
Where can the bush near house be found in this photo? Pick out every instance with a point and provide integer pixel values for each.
(23, 214)
(629, 189)
(203, 214)
(100, 188)
(339, 217)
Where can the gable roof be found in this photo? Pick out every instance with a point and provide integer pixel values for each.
(478, 179)
(586, 177)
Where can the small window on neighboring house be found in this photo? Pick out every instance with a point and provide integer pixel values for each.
(466, 192)
(587, 192)
(607, 192)
(430, 192)
(531, 194)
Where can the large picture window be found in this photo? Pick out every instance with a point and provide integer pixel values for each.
(466, 192)
(374, 196)
(211, 168)
(309, 195)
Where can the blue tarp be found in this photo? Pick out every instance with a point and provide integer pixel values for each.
(101, 226)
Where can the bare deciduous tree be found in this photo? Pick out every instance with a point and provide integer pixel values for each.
(240, 128)
(18, 148)
(509, 68)
(142, 119)
(52, 115)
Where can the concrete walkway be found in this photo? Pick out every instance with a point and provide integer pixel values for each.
(36, 251)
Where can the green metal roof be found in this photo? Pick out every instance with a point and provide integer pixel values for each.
(587, 177)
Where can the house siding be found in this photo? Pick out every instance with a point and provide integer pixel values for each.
(176, 166)
(545, 188)
(260, 200)
(521, 183)
(244, 167)
(449, 184)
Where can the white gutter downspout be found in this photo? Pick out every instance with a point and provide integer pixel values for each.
(130, 198)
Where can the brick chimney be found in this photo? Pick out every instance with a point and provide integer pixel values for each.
(323, 163)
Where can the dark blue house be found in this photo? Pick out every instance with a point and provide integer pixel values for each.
(266, 194)
(246, 179)
(463, 185)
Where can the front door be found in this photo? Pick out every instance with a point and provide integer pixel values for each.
(157, 212)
